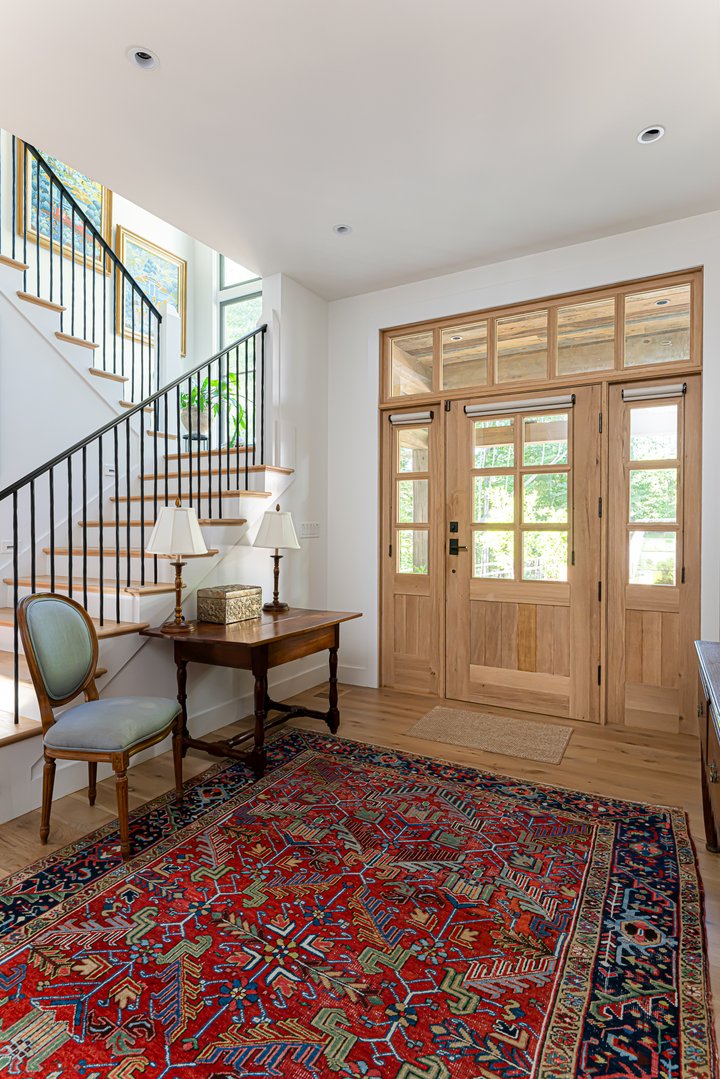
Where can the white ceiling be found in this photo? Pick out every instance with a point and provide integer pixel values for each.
(448, 133)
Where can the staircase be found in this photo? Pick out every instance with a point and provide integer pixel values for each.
(81, 532)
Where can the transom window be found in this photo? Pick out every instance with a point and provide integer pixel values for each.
(617, 329)
(521, 496)
(239, 300)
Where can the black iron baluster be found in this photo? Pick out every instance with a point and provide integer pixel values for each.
(177, 431)
(101, 527)
(104, 307)
(142, 353)
(237, 418)
(94, 294)
(72, 271)
(226, 396)
(37, 228)
(122, 337)
(156, 436)
(132, 342)
(210, 429)
(128, 515)
(16, 600)
(117, 527)
(189, 410)
(165, 432)
(142, 492)
(61, 261)
(84, 524)
(51, 485)
(114, 272)
(85, 303)
(198, 446)
(14, 196)
(69, 525)
(247, 427)
(262, 393)
(52, 243)
(33, 573)
(25, 213)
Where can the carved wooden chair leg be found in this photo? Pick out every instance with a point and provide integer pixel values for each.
(121, 789)
(177, 744)
(92, 782)
(47, 793)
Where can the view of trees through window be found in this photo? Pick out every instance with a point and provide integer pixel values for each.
(516, 504)
(653, 494)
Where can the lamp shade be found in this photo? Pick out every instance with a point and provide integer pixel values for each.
(177, 532)
(276, 530)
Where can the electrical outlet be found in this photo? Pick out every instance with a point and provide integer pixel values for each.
(109, 470)
(310, 530)
(6, 545)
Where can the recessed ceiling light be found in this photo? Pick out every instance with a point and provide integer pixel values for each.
(661, 303)
(651, 134)
(342, 230)
(456, 337)
(143, 58)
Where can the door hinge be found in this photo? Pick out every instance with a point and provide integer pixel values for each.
(682, 575)
(448, 406)
(600, 422)
(390, 550)
(599, 591)
(600, 506)
(599, 675)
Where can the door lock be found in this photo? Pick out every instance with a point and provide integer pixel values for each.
(455, 547)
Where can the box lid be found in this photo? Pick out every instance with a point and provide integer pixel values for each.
(228, 591)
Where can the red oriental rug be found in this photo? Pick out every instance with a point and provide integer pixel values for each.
(361, 912)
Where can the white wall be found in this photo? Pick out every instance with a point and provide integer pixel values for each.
(353, 373)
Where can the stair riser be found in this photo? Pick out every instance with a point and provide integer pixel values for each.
(248, 508)
(165, 573)
(255, 481)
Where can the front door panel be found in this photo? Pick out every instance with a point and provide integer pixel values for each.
(523, 606)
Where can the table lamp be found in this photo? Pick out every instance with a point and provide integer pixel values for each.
(177, 534)
(276, 531)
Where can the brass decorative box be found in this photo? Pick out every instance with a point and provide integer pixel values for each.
(229, 603)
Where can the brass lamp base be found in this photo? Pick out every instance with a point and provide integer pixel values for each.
(178, 625)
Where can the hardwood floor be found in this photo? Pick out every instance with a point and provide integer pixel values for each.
(616, 762)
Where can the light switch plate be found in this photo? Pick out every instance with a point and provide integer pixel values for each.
(310, 530)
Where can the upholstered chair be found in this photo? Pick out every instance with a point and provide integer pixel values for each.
(61, 649)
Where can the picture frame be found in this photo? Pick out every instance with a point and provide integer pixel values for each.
(94, 199)
(161, 275)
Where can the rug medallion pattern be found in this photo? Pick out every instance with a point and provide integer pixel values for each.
(365, 913)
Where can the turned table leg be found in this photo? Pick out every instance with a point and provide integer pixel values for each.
(182, 699)
(333, 716)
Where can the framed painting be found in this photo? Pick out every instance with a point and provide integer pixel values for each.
(47, 215)
(160, 274)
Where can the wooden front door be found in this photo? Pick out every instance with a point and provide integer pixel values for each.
(654, 553)
(522, 563)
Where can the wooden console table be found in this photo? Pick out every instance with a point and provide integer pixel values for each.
(709, 731)
(256, 645)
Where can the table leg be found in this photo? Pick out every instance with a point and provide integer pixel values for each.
(333, 716)
(258, 756)
(182, 699)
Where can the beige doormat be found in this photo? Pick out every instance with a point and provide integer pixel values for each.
(544, 742)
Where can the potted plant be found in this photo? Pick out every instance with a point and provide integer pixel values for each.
(204, 402)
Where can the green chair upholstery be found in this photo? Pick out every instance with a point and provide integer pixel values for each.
(62, 645)
(111, 725)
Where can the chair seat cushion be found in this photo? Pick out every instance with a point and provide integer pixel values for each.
(111, 725)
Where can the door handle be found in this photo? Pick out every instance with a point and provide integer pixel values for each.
(455, 547)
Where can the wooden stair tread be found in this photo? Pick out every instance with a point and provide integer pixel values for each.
(131, 404)
(10, 731)
(29, 298)
(108, 629)
(70, 340)
(135, 588)
(109, 552)
(203, 497)
(14, 264)
(160, 434)
(218, 472)
(99, 373)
